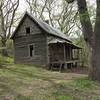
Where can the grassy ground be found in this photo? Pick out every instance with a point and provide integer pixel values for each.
(28, 82)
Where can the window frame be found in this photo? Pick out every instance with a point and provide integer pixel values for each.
(33, 54)
(26, 30)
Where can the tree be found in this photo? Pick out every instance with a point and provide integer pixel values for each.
(91, 36)
(58, 12)
(8, 10)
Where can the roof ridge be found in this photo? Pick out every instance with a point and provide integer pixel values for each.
(49, 29)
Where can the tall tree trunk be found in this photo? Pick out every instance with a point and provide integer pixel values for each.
(91, 37)
(95, 71)
(4, 47)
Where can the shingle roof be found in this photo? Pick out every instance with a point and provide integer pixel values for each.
(50, 30)
(54, 41)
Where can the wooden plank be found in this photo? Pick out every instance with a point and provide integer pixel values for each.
(60, 67)
(1, 48)
(40, 49)
(62, 62)
(64, 53)
(69, 53)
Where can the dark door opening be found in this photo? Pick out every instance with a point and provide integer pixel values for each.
(31, 50)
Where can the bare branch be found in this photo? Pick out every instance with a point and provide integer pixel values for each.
(8, 9)
(15, 6)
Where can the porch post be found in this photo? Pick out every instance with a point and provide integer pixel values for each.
(70, 52)
(64, 53)
(78, 54)
(65, 64)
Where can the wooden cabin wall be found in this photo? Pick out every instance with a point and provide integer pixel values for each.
(23, 40)
(27, 22)
(76, 54)
(68, 53)
(56, 52)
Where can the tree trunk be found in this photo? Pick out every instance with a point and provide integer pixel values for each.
(87, 32)
(4, 47)
(95, 71)
(92, 37)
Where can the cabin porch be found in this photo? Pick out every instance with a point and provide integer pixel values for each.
(63, 55)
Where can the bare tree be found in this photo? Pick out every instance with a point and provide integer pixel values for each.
(37, 8)
(66, 19)
(8, 10)
(59, 13)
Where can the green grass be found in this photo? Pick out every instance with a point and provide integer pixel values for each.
(64, 98)
(82, 84)
(5, 60)
(28, 82)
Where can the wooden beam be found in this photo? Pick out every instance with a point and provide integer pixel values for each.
(60, 67)
(65, 56)
(64, 53)
(70, 52)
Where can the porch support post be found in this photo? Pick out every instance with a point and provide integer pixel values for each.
(78, 54)
(64, 53)
(65, 64)
(70, 52)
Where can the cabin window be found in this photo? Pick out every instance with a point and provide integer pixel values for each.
(31, 50)
(27, 30)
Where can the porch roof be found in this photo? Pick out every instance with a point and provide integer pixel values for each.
(55, 41)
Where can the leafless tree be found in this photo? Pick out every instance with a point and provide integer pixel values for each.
(37, 7)
(59, 13)
(8, 10)
(66, 18)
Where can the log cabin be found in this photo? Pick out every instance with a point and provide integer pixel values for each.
(38, 43)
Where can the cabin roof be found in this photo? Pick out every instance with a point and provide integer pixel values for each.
(49, 30)
(55, 41)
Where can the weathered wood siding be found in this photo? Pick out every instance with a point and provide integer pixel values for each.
(34, 29)
(68, 53)
(22, 41)
(56, 52)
